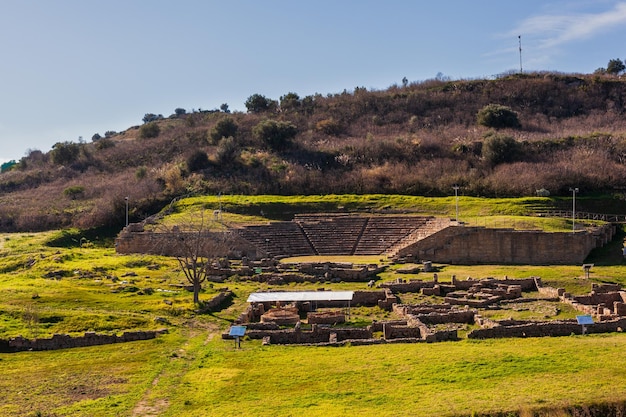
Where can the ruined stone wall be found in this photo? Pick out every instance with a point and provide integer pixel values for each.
(461, 316)
(408, 287)
(214, 303)
(541, 329)
(326, 317)
(377, 326)
(367, 298)
(64, 341)
(526, 284)
(461, 245)
(602, 298)
(401, 332)
(317, 334)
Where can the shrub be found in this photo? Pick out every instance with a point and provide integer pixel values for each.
(276, 135)
(290, 102)
(151, 117)
(197, 161)
(64, 153)
(498, 149)
(224, 128)
(74, 191)
(227, 151)
(149, 130)
(104, 144)
(141, 172)
(497, 116)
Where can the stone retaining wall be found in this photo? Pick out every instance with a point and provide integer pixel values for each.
(541, 329)
(214, 303)
(317, 334)
(64, 341)
(401, 332)
(467, 245)
(454, 244)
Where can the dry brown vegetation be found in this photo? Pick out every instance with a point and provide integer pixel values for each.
(418, 139)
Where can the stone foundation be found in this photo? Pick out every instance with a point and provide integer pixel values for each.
(326, 317)
(542, 329)
(64, 341)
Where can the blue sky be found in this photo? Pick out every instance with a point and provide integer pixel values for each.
(72, 68)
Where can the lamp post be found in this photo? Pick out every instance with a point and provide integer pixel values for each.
(574, 191)
(456, 197)
(126, 199)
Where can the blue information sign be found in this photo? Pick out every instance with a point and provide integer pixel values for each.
(584, 320)
(237, 331)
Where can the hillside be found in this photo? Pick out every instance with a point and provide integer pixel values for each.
(415, 139)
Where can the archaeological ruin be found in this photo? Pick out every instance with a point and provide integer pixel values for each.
(410, 239)
(395, 236)
(315, 322)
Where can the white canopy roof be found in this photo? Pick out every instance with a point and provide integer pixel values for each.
(260, 297)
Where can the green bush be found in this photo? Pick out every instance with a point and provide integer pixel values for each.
(141, 172)
(224, 128)
(74, 191)
(497, 116)
(64, 153)
(498, 149)
(227, 151)
(290, 102)
(276, 135)
(258, 103)
(149, 130)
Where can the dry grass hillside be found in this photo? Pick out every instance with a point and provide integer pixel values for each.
(417, 139)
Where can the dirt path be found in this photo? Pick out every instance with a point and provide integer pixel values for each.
(149, 406)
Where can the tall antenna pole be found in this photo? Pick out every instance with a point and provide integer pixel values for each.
(520, 53)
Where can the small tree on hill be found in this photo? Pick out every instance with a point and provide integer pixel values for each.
(290, 102)
(615, 66)
(224, 128)
(64, 153)
(151, 117)
(276, 135)
(258, 103)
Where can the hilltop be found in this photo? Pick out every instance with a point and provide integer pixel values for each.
(505, 137)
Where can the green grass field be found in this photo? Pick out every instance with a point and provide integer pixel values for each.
(56, 282)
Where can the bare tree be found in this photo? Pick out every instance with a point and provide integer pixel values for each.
(197, 245)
